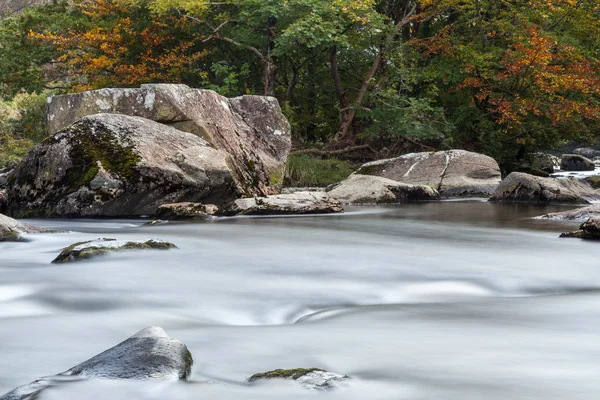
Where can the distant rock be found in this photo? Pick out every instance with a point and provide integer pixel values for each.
(178, 211)
(590, 229)
(523, 188)
(545, 162)
(587, 152)
(11, 230)
(452, 173)
(582, 213)
(359, 189)
(3, 202)
(93, 248)
(285, 204)
(310, 378)
(149, 354)
(574, 162)
(110, 165)
(251, 129)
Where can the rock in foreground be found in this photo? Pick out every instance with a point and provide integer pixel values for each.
(452, 173)
(361, 189)
(285, 204)
(177, 211)
(11, 229)
(590, 229)
(310, 378)
(523, 188)
(115, 165)
(574, 162)
(582, 213)
(149, 354)
(93, 248)
(251, 129)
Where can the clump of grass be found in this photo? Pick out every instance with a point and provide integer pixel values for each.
(303, 170)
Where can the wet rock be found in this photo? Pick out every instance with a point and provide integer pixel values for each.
(149, 354)
(93, 248)
(285, 204)
(587, 152)
(251, 129)
(11, 230)
(582, 213)
(115, 165)
(310, 378)
(574, 162)
(177, 211)
(359, 189)
(523, 188)
(452, 173)
(590, 229)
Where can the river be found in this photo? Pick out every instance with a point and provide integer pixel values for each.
(447, 300)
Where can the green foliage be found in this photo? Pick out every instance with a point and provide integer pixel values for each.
(303, 170)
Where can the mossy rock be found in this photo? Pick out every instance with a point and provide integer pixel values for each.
(594, 181)
(93, 248)
(310, 378)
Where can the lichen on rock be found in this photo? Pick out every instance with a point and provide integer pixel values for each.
(310, 378)
(93, 248)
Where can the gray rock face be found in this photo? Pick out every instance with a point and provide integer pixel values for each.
(117, 165)
(452, 173)
(149, 354)
(587, 152)
(93, 248)
(285, 204)
(582, 213)
(545, 162)
(590, 229)
(359, 189)
(523, 188)
(309, 378)
(11, 229)
(178, 211)
(251, 129)
(574, 162)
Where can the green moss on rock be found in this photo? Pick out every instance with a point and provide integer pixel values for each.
(284, 374)
(94, 248)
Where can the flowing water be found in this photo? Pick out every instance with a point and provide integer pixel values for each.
(447, 300)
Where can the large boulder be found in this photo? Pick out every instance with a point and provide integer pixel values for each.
(11, 230)
(590, 229)
(574, 162)
(582, 213)
(93, 248)
(452, 173)
(251, 129)
(587, 152)
(115, 165)
(359, 189)
(285, 204)
(149, 354)
(523, 188)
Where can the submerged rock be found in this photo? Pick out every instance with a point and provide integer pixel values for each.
(359, 189)
(310, 378)
(115, 165)
(93, 248)
(285, 204)
(582, 213)
(590, 229)
(523, 188)
(574, 162)
(184, 210)
(251, 129)
(452, 172)
(11, 229)
(149, 354)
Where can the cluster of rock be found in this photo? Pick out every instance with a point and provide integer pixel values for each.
(151, 354)
(125, 152)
